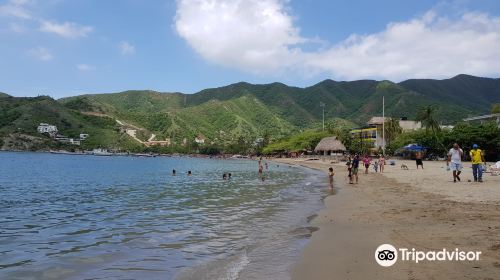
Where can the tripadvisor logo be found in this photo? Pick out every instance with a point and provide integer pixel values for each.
(387, 255)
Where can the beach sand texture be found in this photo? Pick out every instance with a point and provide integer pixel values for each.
(421, 209)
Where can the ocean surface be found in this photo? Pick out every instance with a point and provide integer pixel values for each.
(91, 217)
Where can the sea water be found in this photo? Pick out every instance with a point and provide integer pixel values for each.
(90, 217)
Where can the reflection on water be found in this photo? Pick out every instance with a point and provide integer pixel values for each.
(85, 217)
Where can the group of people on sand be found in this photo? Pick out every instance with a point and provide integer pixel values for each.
(454, 162)
(353, 166)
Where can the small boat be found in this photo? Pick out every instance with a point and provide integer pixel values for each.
(64, 152)
(144, 155)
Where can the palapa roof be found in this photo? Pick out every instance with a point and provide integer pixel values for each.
(330, 144)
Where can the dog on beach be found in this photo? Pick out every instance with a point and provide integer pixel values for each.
(404, 167)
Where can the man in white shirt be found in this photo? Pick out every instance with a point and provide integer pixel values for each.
(454, 161)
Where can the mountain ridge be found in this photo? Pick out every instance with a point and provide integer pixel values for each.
(247, 111)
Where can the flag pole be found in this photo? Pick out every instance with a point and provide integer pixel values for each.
(383, 125)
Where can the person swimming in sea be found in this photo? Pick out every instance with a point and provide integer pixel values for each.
(189, 173)
(228, 176)
(224, 176)
(173, 172)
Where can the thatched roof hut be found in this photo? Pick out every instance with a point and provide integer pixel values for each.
(330, 144)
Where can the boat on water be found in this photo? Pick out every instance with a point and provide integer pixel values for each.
(100, 152)
(64, 152)
(143, 155)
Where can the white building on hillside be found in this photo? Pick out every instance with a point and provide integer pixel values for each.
(405, 124)
(200, 139)
(47, 128)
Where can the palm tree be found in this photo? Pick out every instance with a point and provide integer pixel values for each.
(427, 116)
(392, 129)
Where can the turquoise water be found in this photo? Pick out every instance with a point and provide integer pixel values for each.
(88, 217)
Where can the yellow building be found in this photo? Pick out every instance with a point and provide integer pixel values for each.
(368, 135)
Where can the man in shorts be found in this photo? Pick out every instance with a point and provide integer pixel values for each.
(418, 159)
(355, 167)
(454, 161)
(477, 159)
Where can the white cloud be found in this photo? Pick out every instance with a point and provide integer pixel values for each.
(66, 29)
(429, 46)
(126, 48)
(15, 8)
(260, 37)
(251, 35)
(84, 67)
(41, 53)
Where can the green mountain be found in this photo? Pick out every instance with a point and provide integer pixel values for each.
(244, 112)
(20, 117)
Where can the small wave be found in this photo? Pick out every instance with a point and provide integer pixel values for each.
(223, 269)
(235, 268)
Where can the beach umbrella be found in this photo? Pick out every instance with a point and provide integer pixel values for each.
(413, 148)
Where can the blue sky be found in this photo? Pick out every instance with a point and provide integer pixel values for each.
(69, 47)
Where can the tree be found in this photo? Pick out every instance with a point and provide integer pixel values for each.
(427, 115)
(392, 130)
(495, 108)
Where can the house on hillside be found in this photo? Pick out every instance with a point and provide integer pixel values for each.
(484, 118)
(165, 143)
(200, 139)
(405, 124)
(371, 134)
(330, 146)
(47, 128)
(84, 136)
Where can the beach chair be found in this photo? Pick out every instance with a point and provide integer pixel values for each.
(495, 169)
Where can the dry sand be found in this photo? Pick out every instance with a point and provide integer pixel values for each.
(421, 209)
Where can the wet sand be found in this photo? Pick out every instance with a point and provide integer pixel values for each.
(421, 209)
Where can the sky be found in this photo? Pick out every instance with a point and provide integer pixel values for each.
(70, 47)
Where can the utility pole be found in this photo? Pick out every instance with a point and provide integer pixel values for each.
(383, 125)
(322, 105)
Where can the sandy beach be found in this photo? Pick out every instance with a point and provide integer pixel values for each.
(421, 209)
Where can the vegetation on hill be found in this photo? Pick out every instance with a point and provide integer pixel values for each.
(22, 115)
(242, 113)
(495, 109)
(304, 141)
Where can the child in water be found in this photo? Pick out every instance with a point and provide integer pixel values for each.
(375, 166)
(330, 177)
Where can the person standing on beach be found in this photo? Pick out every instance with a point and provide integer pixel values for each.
(381, 161)
(366, 162)
(477, 159)
(418, 159)
(454, 161)
(349, 170)
(330, 177)
(355, 167)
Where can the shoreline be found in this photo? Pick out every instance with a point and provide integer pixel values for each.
(424, 210)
